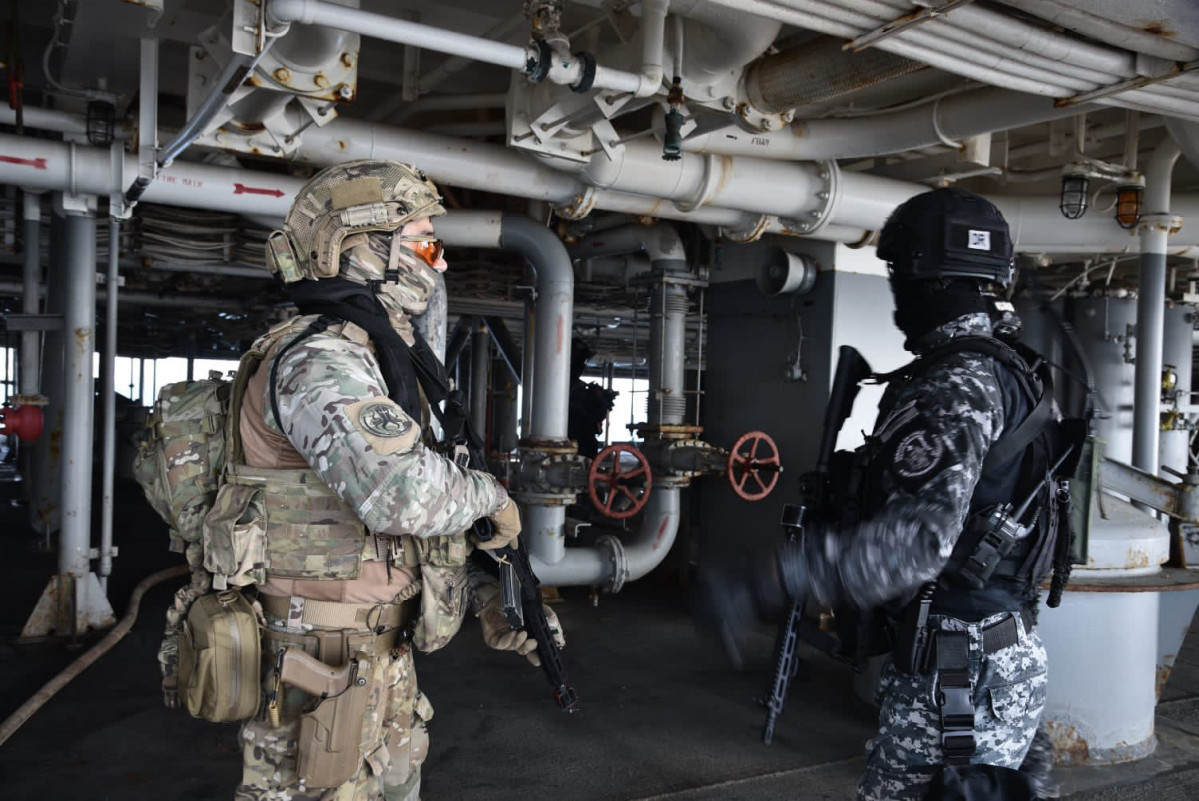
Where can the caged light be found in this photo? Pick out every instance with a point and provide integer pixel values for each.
(1128, 204)
(1073, 202)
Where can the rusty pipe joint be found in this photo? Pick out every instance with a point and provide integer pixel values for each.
(676, 461)
(549, 472)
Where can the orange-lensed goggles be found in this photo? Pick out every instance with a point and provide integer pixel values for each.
(428, 247)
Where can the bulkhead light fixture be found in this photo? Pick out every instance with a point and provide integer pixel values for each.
(1075, 188)
(1128, 202)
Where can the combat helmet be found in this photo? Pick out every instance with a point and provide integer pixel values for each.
(947, 233)
(351, 198)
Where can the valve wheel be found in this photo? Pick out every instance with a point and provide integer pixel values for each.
(616, 490)
(754, 466)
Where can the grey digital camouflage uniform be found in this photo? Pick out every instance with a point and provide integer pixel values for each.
(933, 432)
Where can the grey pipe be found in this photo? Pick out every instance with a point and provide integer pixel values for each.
(555, 321)
(1151, 308)
(148, 299)
(480, 361)
(666, 404)
(108, 393)
(527, 368)
(79, 320)
(31, 341)
(660, 242)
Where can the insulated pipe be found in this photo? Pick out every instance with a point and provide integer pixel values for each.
(480, 361)
(816, 73)
(109, 395)
(29, 363)
(1151, 307)
(665, 403)
(79, 320)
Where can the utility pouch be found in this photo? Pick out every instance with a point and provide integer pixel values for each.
(443, 597)
(328, 750)
(235, 536)
(219, 656)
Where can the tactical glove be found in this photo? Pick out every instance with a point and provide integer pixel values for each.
(502, 637)
(506, 525)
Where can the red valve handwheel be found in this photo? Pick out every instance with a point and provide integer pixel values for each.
(615, 491)
(24, 421)
(754, 461)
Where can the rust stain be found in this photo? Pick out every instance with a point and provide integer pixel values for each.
(83, 336)
(1163, 675)
(1069, 747)
(661, 532)
(341, 144)
(1137, 558)
(1158, 28)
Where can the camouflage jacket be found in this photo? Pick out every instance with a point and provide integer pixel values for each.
(334, 410)
(931, 436)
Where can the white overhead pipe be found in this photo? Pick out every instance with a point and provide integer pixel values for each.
(1156, 223)
(955, 117)
(861, 205)
(964, 50)
(1105, 30)
(568, 72)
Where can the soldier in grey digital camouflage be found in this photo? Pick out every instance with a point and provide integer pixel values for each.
(963, 430)
(336, 504)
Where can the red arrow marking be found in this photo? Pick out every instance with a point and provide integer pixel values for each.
(37, 164)
(242, 189)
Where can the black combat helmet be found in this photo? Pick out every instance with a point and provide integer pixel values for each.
(947, 233)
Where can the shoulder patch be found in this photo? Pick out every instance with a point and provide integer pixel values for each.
(386, 427)
(917, 453)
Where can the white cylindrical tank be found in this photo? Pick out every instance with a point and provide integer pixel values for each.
(1102, 325)
(1177, 347)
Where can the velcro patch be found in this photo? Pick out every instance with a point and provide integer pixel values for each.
(916, 454)
(385, 426)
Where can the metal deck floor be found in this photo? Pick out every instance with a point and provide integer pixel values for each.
(662, 716)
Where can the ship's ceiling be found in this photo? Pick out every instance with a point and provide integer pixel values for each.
(193, 277)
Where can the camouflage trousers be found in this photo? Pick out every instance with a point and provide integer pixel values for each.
(393, 738)
(1009, 697)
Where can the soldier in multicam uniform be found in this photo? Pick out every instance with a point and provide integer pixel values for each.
(333, 501)
(920, 481)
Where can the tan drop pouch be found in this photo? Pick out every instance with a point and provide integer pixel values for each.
(219, 658)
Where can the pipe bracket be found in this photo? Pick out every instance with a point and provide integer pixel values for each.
(712, 177)
(1170, 223)
(580, 206)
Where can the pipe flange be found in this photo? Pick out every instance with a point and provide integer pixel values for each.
(548, 447)
(712, 177)
(829, 195)
(539, 57)
(587, 79)
(543, 498)
(580, 206)
(751, 233)
(620, 562)
(1170, 223)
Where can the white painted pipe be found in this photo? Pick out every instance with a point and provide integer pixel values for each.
(108, 395)
(1102, 29)
(78, 402)
(1151, 299)
(956, 117)
(29, 364)
(379, 26)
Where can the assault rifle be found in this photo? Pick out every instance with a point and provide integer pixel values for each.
(520, 597)
(814, 493)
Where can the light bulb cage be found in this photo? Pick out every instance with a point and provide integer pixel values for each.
(1129, 199)
(1075, 190)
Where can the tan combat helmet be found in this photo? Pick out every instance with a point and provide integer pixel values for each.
(351, 198)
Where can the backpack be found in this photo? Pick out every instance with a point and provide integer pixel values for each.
(181, 454)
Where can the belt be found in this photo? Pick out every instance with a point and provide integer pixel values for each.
(336, 615)
(1005, 633)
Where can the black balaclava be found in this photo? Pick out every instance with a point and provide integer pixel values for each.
(923, 306)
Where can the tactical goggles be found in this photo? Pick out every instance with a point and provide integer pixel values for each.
(429, 248)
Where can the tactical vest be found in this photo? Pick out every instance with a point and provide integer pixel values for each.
(282, 519)
(1015, 467)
